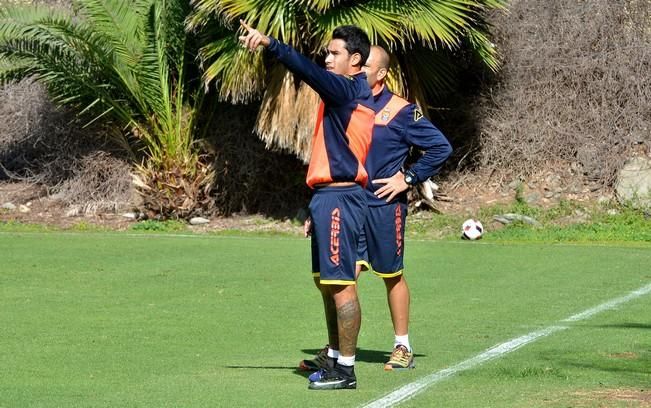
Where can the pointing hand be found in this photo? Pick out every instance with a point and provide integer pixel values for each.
(253, 37)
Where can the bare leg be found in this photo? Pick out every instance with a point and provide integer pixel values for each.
(398, 298)
(349, 317)
(358, 270)
(330, 315)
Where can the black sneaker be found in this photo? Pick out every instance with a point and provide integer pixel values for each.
(338, 378)
(319, 361)
(321, 372)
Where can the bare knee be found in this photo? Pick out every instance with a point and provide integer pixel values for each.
(394, 280)
(343, 293)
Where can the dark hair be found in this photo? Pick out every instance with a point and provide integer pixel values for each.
(356, 40)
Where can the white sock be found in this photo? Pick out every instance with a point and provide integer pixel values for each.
(346, 361)
(333, 353)
(404, 340)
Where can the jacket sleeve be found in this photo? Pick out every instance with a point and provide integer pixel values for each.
(421, 133)
(334, 89)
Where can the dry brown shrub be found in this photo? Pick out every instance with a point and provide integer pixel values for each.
(575, 87)
(43, 145)
(100, 182)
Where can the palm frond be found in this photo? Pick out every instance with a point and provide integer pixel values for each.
(422, 34)
(15, 71)
(437, 22)
(153, 70)
(17, 20)
(61, 45)
(239, 75)
(428, 73)
(484, 48)
(380, 19)
(68, 82)
(120, 22)
(493, 4)
(173, 16)
(124, 61)
(316, 5)
(277, 18)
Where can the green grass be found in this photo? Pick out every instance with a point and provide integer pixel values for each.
(159, 226)
(154, 320)
(567, 222)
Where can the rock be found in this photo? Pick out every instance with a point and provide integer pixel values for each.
(24, 209)
(574, 188)
(130, 215)
(515, 184)
(510, 217)
(633, 183)
(199, 221)
(553, 179)
(533, 198)
(57, 196)
(613, 211)
(8, 206)
(73, 211)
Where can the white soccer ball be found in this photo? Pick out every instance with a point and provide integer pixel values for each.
(472, 229)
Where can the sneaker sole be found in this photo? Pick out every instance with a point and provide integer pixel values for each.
(335, 386)
(388, 367)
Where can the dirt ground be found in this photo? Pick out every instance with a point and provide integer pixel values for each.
(639, 398)
(465, 195)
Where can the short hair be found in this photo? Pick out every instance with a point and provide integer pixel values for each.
(356, 40)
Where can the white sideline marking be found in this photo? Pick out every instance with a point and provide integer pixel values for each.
(412, 389)
(609, 305)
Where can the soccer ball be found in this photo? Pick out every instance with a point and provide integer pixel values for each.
(472, 229)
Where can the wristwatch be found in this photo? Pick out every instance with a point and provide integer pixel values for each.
(410, 177)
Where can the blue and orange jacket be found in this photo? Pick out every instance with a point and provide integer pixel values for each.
(400, 125)
(344, 126)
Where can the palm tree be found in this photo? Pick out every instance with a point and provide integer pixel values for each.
(420, 34)
(124, 62)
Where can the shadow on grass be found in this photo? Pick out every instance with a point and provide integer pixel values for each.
(626, 326)
(366, 356)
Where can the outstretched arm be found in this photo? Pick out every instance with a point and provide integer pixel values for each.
(332, 88)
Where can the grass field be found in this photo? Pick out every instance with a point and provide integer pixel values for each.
(146, 320)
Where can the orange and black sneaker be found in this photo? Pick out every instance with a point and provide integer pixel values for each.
(401, 359)
(319, 361)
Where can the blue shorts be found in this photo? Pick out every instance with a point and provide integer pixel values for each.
(338, 215)
(382, 243)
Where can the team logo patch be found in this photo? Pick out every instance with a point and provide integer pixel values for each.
(418, 114)
(386, 113)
